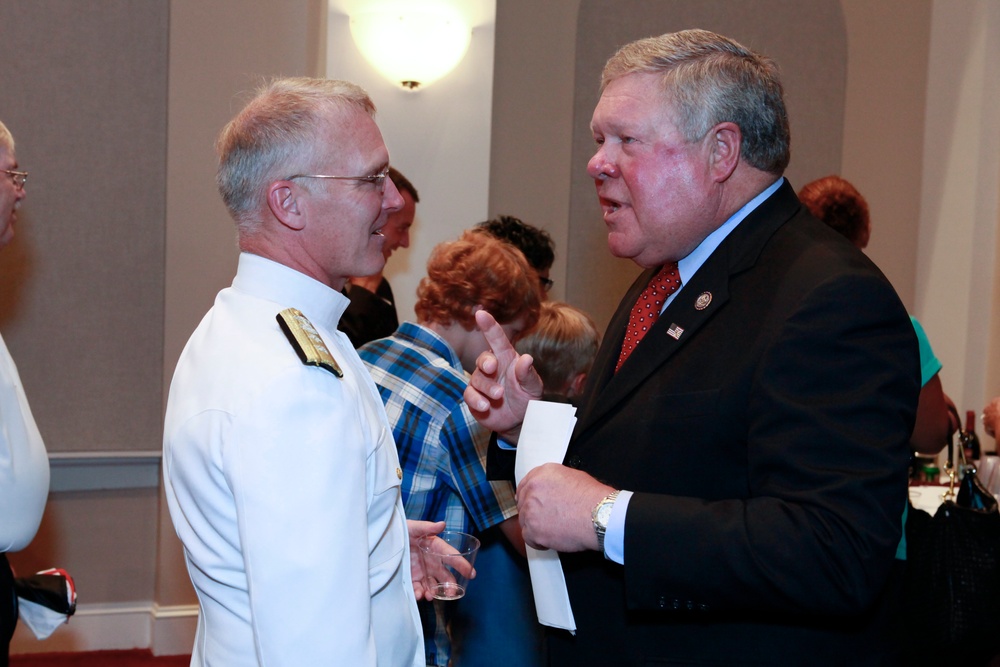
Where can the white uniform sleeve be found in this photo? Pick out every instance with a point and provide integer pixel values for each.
(24, 464)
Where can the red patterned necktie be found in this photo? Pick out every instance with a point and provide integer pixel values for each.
(645, 311)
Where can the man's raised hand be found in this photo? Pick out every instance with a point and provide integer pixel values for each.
(503, 383)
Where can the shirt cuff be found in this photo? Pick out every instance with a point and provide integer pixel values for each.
(505, 445)
(614, 536)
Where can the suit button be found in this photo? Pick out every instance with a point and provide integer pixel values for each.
(703, 607)
(663, 603)
(676, 604)
(574, 462)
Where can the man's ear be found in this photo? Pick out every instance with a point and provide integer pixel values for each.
(283, 200)
(727, 139)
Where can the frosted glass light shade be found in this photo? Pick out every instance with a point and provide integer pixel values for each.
(411, 47)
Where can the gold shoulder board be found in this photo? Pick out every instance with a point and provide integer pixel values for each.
(306, 340)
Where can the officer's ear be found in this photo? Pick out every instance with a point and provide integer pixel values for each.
(283, 198)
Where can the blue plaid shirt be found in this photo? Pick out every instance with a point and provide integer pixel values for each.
(442, 448)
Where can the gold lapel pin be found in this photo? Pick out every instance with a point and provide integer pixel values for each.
(701, 303)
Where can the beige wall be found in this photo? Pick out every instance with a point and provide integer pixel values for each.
(886, 94)
(84, 92)
(960, 199)
(532, 136)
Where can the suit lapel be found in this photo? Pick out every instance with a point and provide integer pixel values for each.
(603, 368)
(685, 315)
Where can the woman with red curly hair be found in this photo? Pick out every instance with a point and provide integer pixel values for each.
(421, 373)
(473, 273)
(836, 202)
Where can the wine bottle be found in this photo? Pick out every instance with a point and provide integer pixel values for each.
(970, 441)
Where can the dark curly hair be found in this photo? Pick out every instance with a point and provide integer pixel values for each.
(535, 243)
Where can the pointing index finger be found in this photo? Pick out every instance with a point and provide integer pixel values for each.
(495, 335)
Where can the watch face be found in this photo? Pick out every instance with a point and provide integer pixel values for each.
(604, 513)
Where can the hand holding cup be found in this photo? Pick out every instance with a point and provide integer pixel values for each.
(449, 558)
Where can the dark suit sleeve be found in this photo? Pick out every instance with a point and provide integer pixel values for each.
(499, 462)
(826, 416)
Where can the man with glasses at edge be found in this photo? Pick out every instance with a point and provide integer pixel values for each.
(281, 473)
(24, 464)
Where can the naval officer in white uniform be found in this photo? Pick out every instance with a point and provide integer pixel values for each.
(281, 472)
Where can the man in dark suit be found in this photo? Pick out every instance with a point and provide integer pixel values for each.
(733, 490)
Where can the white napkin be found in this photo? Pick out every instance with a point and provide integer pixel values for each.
(544, 438)
(928, 497)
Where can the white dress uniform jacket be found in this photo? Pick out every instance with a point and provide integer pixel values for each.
(24, 464)
(284, 486)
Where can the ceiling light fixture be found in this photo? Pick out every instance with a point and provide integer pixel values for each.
(410, 43)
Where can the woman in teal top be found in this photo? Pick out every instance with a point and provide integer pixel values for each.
(934, 422)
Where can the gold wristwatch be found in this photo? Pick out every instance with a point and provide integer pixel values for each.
(600, 515)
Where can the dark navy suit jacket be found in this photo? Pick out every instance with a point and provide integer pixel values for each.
(764, 436)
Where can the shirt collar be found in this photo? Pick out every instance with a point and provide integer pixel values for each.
(419, 335)
(690, 264)
(267, 279)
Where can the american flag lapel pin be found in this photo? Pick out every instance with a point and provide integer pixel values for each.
(675, 332)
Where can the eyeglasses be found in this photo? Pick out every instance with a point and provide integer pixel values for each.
(19, 177)
(378, 180)
(546, 283)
